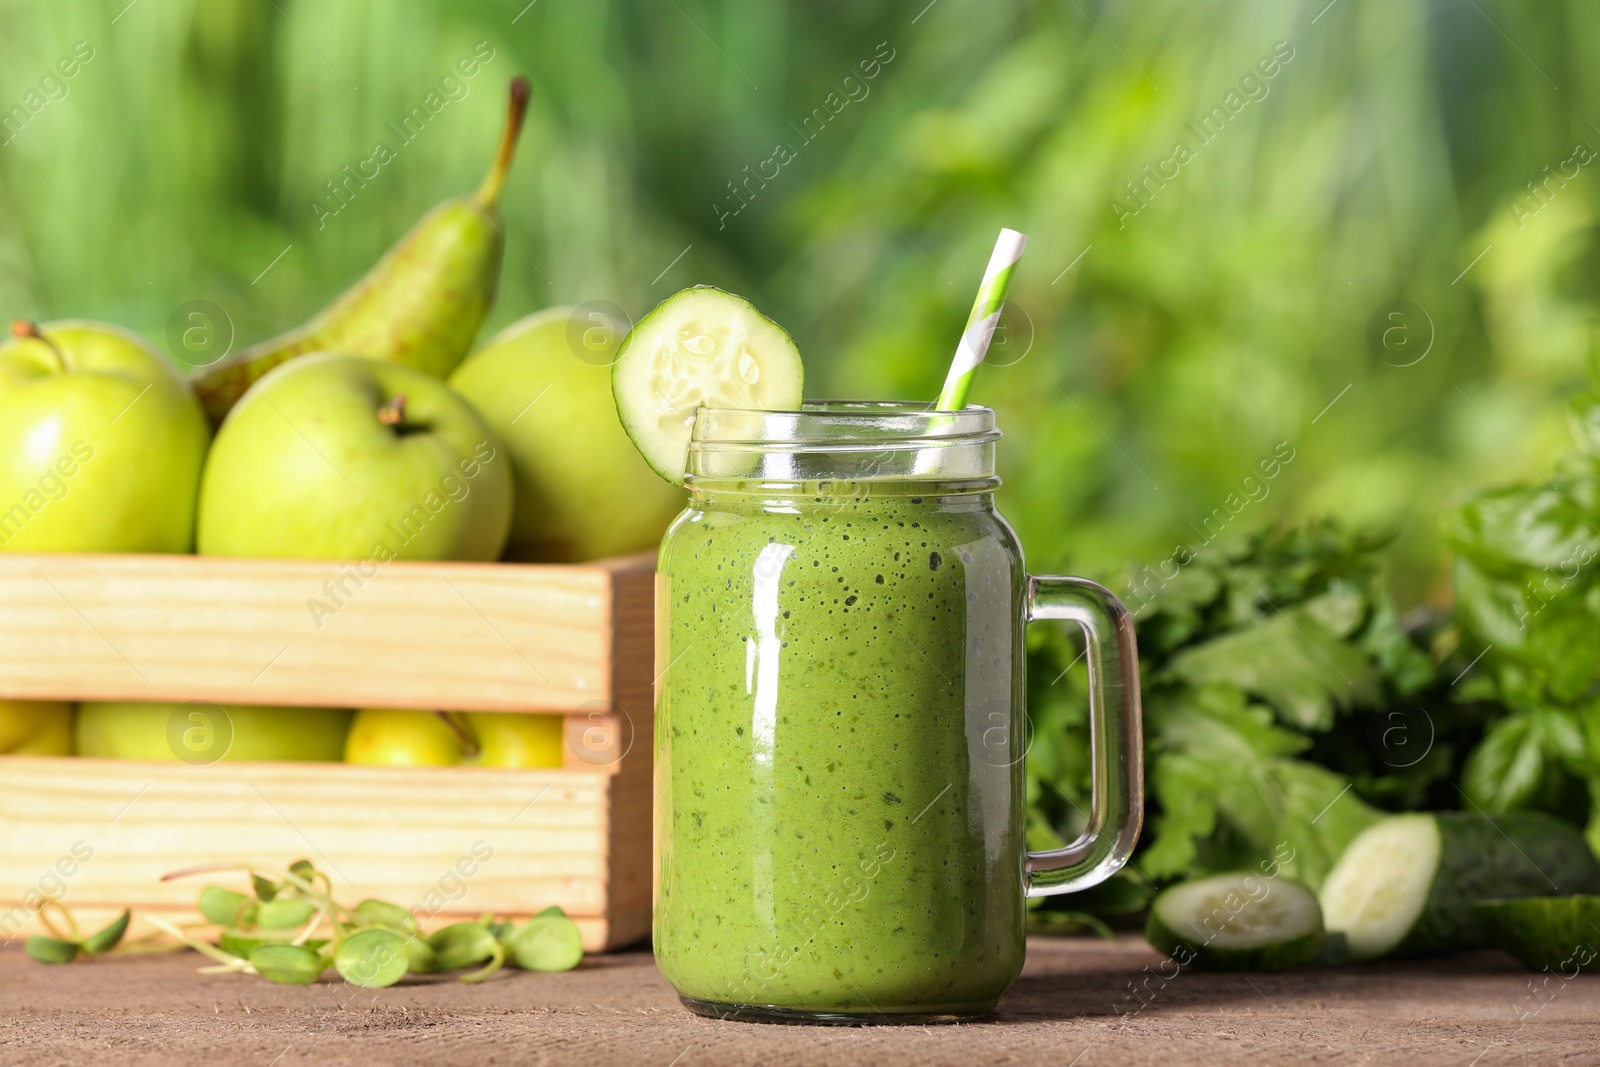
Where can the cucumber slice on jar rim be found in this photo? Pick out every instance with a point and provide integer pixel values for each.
(1240, 921)
(701, 347)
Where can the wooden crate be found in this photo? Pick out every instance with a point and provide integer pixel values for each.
(453, 842)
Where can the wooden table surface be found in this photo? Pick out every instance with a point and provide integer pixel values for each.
(1073, 1005)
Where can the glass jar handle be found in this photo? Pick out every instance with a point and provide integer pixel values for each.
(1116, 744)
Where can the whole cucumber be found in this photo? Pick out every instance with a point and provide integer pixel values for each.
(1547, 933)
(1406, 885)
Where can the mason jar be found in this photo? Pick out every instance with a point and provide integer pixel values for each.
(840, 720)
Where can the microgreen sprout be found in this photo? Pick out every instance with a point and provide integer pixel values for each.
(289, 929)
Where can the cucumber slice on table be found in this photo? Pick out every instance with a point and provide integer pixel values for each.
(1560, 934)
(1241, 921)
(1406, 885)
(700, 347)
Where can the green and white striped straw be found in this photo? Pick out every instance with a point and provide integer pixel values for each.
(983, 320)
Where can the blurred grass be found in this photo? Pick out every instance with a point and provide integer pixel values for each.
(1178, 351)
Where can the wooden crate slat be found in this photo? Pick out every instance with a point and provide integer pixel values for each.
(46, 791)
(399, 834)
(582, 842)
(425, 635)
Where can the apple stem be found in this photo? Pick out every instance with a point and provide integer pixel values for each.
(469, 744)
(393, 411)
(516, 111)
(25, 330)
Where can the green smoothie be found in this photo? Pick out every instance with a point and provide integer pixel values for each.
(838, 810)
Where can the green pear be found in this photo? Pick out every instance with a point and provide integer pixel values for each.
(420, 306)
(201, 733)
(101, 443)
(340, 457)
(582, 489)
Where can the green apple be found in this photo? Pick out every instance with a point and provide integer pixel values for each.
(582, 490)
(393, 737)
(517, 739)
(35, 727)
(201, 732)
(339, 457)
(101, 443)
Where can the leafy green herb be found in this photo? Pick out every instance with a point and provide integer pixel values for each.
(1285, 705)
(1528, 600)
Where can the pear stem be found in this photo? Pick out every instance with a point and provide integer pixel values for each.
(24, 330)
(393, 411)
(516, 111)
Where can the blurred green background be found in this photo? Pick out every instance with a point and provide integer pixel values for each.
(1157, 348)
